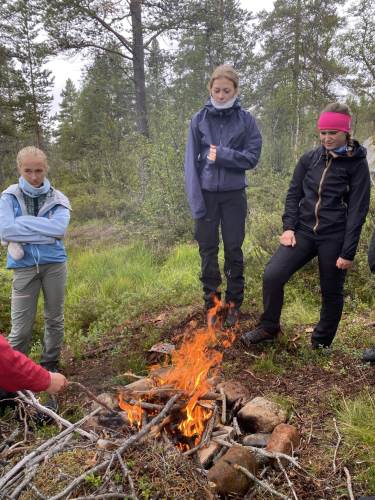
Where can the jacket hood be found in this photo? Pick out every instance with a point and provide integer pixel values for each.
(57, 198)
(212, 110)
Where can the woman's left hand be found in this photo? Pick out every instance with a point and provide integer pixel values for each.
(212, 154)
(344, 263)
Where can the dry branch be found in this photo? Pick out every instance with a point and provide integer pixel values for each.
(263, 484)
(127, 475)
(337, 445)
(32, 401)
(92, 396)
(223, 407)
(9, 439)
(4, 481)
(287, 479)
(102, 497)
(126, 445)
(349, 483)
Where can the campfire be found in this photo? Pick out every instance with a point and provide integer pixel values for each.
(210, 419)
(190, 374)
(185, 406)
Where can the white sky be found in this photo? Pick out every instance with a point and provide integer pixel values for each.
(64, 67)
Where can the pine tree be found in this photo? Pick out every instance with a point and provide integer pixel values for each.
(298, 75)
(23, 34)
(66, 132)
(218, 32)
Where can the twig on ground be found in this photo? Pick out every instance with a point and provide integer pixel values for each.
(337, 446)
(254, 376)
(126, 445)
(349, 483)
(31, 468)
(275, 455)
(252, 355)
(287, 479)
(310, 433)
(133, 375)
(222, 442)
(37, 492)
(9, 440)
(236, 427)
(224, 406)
(101, 497)
(25, 482)
(4, 481)
(31, 400)
(263, 484)
(127, 475)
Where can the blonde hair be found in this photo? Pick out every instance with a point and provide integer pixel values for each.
(31, 151)
(337, 107)
(224, 71)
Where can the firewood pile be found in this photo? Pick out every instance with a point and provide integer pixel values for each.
(186, 406)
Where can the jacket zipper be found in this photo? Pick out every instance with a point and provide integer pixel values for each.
(319, 202)
(221, 130)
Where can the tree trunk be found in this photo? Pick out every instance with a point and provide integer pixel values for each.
(296, 78)
(139, 67)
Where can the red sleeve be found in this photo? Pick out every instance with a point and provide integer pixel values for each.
(18, 372)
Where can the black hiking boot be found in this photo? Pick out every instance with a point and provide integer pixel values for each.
(258, 336)
(368, 355)
(52, 366)
(232, 317)
(41, 418)
(7, 400)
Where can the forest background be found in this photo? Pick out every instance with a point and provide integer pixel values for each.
(116, 146)
(116, 149)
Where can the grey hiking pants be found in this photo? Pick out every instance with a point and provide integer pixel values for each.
(27, 282)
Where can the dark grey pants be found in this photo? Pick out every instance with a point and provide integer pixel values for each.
(27, 283)
(286, 261)
(226, 210)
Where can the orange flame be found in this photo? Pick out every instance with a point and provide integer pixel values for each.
(191, 364)
(134, 412)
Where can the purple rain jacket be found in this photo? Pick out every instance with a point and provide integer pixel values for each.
(239, 143)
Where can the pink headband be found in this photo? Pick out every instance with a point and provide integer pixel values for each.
(334, 121)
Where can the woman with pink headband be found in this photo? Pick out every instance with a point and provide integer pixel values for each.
(326, 206)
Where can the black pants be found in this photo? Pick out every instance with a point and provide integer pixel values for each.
(286, 261)
(227, 209)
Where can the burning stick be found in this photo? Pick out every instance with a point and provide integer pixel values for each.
(206, 436)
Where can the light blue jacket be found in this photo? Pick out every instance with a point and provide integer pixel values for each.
(41, 236)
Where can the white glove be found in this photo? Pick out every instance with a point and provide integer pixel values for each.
(15, 250)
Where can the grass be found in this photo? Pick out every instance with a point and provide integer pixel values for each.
(356, 420)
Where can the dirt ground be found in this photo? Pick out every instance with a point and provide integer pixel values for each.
(309, 382)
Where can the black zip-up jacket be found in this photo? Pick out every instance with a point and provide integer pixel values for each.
(330, 195)
(371, 254)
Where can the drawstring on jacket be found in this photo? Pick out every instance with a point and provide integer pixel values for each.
(37, 258)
